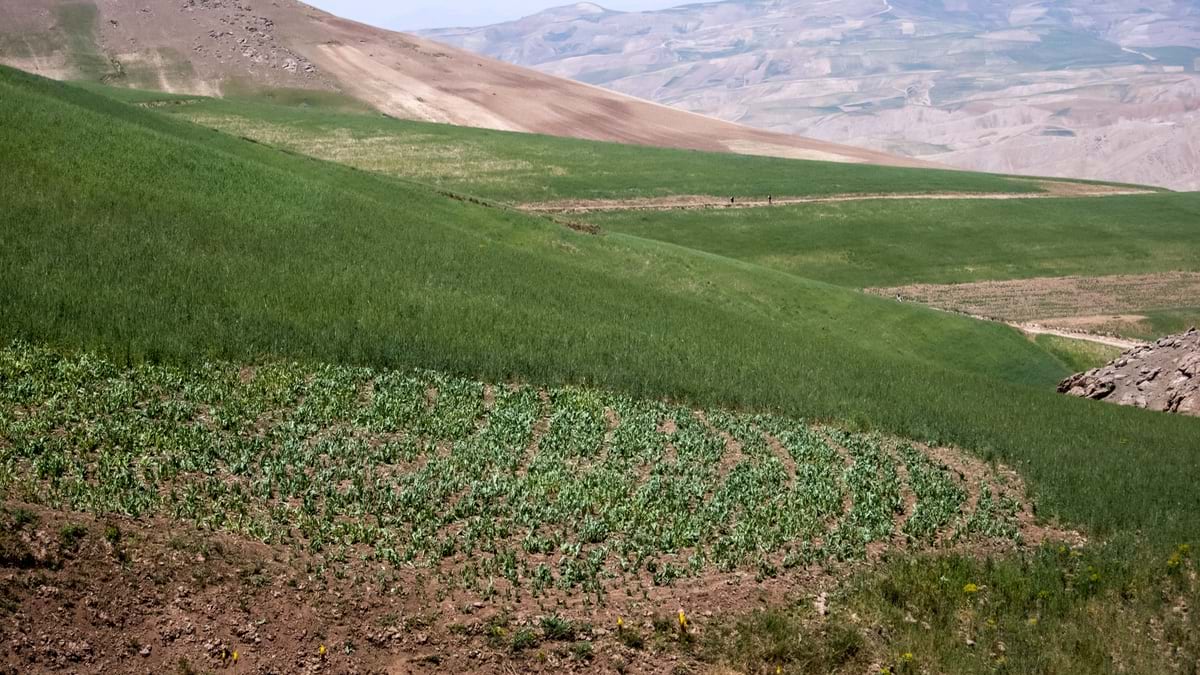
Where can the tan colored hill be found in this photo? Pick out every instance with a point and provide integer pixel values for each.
(1101, 89)
(217, 47)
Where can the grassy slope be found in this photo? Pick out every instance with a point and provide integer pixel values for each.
(127, 230)
(525, 167)
(1078, 355)
(887, 243)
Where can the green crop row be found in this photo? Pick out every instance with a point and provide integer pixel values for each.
(574, 489)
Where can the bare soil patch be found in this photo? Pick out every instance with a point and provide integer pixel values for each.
(1074, 303)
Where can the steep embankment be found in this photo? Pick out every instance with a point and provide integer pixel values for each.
(230, 47)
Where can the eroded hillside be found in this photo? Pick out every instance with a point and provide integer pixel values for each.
(1103, 90)
(286, 48)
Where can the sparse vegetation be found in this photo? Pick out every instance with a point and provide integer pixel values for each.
(1053, 610)
(71, 535)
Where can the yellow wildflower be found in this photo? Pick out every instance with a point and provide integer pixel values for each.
(321, 650)
(620, 623)
(235, 656)
(907, 657)
(970, 589)
(683, 622)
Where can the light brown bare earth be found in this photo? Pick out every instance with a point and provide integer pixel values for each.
(700, 202)
(217, 47)
(1118, 342)
(1071, 305)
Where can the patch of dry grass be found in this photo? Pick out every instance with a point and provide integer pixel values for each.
(415, 156)
(1100, 304)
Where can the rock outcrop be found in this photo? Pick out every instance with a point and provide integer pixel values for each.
(1162, 376)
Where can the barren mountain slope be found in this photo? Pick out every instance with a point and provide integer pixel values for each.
(238, 46)
(1105, 90)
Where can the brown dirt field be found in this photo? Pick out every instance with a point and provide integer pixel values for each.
(1070, 303)
(697, 202)
(221, 44)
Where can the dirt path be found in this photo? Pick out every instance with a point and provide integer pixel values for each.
(1052, 189)
(1119, 343)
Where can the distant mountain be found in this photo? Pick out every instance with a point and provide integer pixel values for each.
(1104, 89)
(221, 47)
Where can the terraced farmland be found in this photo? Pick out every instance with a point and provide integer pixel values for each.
(501, 489)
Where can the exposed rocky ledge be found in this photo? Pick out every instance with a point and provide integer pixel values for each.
(1161, 376)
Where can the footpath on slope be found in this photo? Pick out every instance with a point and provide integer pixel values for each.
(1052, 189)
(1038, 329)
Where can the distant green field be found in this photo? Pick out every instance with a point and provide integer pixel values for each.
(881, 243)
(125, 230)
(516, 167)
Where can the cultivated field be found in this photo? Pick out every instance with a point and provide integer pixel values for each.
(286, 384)
(1144, 306)
(501, 491)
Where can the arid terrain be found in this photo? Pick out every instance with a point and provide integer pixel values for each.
(1102, 90)
(1105, 305)
(230, 47)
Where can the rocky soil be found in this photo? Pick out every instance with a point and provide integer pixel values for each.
(1162, 376)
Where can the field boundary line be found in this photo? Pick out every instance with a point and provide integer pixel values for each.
(700, 203)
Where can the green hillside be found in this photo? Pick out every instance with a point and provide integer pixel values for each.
(516, 167)
(887, 243)
(147, 237)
